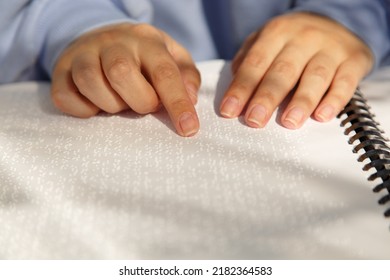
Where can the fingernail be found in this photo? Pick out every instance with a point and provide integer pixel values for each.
(230, 107)
(326, 113)
(257, 116)
(192, 92)
(188, 124)
(294, 118)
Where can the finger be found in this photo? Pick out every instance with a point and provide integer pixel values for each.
(125, 77)
(67, 99)
(91, 82)
(248, 76)
(190, 74)
(280, 79)
(313, 84)
(341, 90)
(242, 52)
(165, 77)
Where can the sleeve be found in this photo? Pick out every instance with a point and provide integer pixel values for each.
(40, 30)
(368, 19)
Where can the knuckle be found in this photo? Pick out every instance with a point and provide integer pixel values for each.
(112, 105)
(165, 71)
(309, 32)
(255, 60)
(364, 57)
(347, 80)
(107, 36)
(321, 72)
(145, 30)
(180, 104)
(85, 75)
(285, 68)
(268, 96)
(240, 88)
(339, 98)
(118, 70)
(276, 25)
(366, 54)
(192, 74)
(306, 101)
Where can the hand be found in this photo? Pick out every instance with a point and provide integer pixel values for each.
(314, 57)
(127, 66)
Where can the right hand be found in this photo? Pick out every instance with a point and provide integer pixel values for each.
(124, 66)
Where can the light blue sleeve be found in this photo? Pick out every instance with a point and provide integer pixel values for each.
(34, 33)
(366, 18)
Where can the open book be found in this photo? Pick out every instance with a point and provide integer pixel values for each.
(127, 186)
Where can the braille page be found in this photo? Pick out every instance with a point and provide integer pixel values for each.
(128, 187)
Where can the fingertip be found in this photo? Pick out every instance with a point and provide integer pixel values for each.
(325, 113)
(294, 118)
(257, 116)
(188, 124)
(230, 107)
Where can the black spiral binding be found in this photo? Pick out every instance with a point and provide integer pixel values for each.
(372, 144)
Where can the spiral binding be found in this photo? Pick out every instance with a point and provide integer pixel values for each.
(372, 144)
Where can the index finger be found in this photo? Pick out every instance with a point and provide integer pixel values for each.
(165, 76)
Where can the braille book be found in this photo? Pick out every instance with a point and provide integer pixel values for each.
(126, 186)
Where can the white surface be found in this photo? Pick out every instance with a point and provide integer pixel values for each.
(124, 186)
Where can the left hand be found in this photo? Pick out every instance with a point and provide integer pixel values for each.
(314, 57)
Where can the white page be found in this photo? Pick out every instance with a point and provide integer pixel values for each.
(126, 186)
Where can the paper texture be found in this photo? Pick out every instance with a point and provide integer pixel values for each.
(128, 187)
